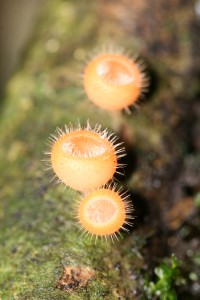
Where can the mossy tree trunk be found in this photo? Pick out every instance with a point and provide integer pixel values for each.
(38, 234)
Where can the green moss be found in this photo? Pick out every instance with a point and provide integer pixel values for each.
(167, 276)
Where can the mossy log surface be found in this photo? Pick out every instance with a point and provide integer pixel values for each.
(38, 233)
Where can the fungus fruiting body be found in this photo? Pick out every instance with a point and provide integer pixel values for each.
(103, 212)
(84, 159)
(114, 81)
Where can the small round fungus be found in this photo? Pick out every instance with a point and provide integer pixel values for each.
(114, 81)
(84, 159)
(103, 212)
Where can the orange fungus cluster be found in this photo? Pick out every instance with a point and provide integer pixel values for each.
(86, 159)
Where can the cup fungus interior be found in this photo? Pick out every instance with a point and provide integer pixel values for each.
(116, 71)
(96, 212)
(84, 144)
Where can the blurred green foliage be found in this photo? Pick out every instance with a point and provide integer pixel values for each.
(167, 276)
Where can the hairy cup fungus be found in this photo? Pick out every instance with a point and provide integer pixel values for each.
(103, 212)
(114, 81)
(84, 159)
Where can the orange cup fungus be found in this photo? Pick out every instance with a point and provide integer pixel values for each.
(103, 212)
(114, 81)
(84, 159)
